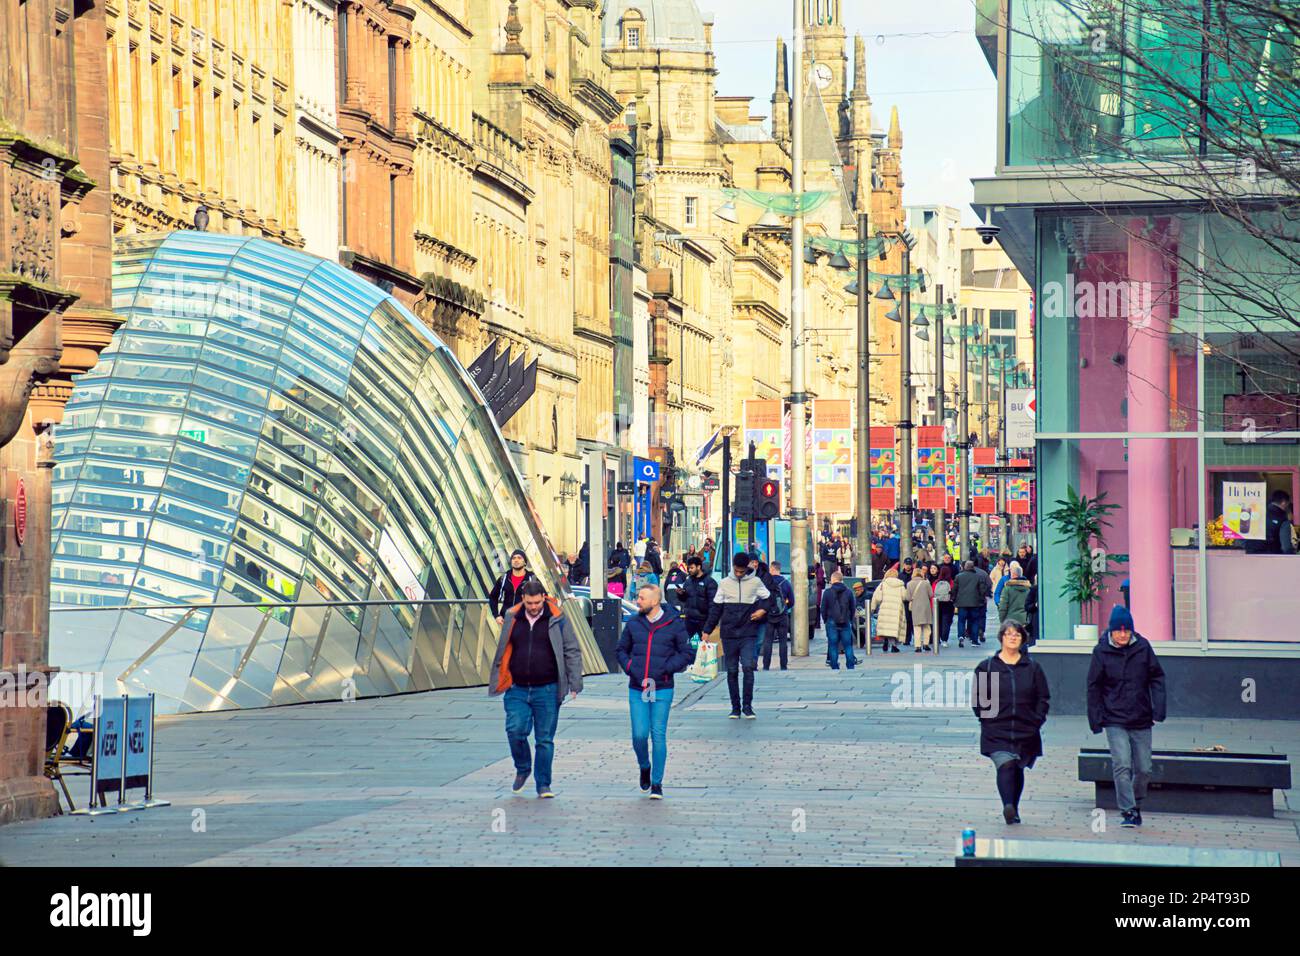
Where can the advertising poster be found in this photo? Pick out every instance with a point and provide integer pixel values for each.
(931, 467)
(1243, 510)
(763, 429)
(984, 456)
(1020, 417)
(1018, 496)
(984, 496)
(884, 477)
(954, 463)
(832, 456)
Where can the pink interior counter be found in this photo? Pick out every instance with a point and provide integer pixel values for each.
(1249, 597)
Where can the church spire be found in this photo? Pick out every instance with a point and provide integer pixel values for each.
(781, 97)
(859, 67)
(895, 131)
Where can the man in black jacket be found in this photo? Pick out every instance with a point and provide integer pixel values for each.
(695, 596)
(505, 592)
(1277, 528)
(838, 608)
(739, 605)
(970, 601)
(1028, 562)
(1126, 696)
(654, 556)
(778, 631)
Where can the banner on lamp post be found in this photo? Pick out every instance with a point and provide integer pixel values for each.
(931, 468)
(1018, 496)
(762, 427)
(954, 464)
(832, 456)
(884, 477)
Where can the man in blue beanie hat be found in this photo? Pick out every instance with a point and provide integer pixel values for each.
(1126, 697)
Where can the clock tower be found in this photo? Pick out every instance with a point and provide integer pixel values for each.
(826, 57)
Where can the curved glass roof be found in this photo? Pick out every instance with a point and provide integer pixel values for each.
(269, 430)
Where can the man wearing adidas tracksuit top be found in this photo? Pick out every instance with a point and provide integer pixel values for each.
(653, 648)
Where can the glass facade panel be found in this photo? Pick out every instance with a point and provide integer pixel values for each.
(1123, 80)
(267, 427)
(1219, 461)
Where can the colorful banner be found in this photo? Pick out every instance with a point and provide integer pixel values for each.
(884, 478)
(931, 467)
(789, 448)
(984, 456)
(984, 495)
(762, 426)
(832, 456)
(954, 462)
(1017, 496)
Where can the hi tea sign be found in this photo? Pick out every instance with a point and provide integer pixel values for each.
(1243, 510)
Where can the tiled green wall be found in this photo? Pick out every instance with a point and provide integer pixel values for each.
(1222, 378)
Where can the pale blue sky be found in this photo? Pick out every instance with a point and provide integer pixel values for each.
(945, 92)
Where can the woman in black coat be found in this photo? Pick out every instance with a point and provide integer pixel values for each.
(1010, 700)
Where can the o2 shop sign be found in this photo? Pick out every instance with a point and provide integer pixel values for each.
(20, 512)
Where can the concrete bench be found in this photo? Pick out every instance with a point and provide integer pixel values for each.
(1010, 852)
(1193, 781)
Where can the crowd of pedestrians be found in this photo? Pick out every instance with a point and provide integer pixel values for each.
(538, 662)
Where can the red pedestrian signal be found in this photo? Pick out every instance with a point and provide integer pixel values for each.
(767, 503)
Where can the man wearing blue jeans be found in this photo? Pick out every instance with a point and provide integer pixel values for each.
(653, 647)
(1126, 698)
(971, 598)
(837, 611)
(537, 664)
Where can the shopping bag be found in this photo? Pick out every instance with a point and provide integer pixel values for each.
(705, 667)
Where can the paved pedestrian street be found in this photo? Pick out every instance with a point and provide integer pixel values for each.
(830, 773)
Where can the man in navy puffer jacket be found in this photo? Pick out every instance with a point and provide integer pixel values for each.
(653, 648)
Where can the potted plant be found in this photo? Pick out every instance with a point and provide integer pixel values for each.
(1079, 520)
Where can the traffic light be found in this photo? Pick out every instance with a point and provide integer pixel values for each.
(742, 505)
(767, 500)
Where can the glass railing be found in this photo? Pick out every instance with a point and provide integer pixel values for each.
(224, 654)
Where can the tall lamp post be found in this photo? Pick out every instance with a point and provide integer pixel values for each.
(862, 546)
(799, 540)
(905, 424)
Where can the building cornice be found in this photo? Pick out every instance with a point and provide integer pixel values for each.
(759, 307)
(598, 98)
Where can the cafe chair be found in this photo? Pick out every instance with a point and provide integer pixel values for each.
(59, 763)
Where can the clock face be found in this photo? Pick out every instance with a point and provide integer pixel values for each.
(821, 75)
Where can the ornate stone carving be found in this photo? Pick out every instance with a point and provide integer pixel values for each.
(31, 230)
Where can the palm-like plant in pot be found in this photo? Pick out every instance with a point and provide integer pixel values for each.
(1079, 521)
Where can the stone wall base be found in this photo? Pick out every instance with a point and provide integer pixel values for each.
(27, 798)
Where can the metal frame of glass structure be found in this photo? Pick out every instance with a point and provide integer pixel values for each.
(270, 431)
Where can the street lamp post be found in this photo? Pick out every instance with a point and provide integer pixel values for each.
(905, 410)
(862, 546)
(984, 429)
(798, 489)
(963, 479)
(940, 516)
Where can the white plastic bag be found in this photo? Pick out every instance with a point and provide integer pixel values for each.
(705, 667)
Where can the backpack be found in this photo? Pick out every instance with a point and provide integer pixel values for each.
(779, 607)
(943, 591)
